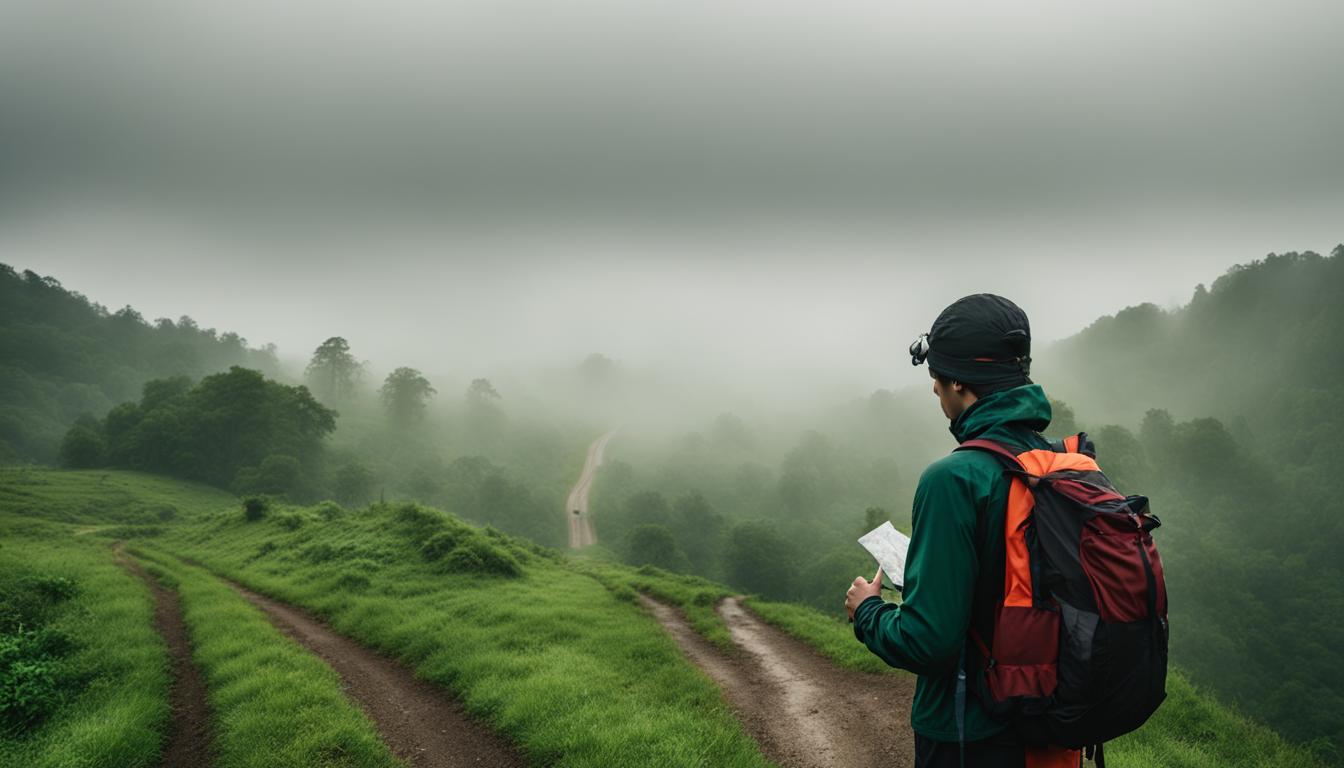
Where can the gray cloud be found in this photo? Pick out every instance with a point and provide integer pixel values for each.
(593, 108)
(779, 190)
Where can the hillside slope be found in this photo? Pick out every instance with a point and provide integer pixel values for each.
(522, 633)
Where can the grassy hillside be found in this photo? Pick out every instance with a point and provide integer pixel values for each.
(83, 674)
(520, 632)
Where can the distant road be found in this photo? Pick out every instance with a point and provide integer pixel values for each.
(576, 507)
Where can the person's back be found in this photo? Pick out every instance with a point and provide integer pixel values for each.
(979, 355)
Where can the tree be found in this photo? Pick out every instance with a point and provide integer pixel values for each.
(353, 484)
(655, 545)
(758, 559)
(333, 371)
(699, 528)
(84, 446)
(404, 394)
(1062, 420)
(485, 419)
(228, 423)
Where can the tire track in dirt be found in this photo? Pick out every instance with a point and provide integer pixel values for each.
(803, 711)
(420, 722)
(188, 744)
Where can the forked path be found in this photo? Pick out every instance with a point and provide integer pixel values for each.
(803, 710)
(576, 506)
(189, 727)
(419, 722)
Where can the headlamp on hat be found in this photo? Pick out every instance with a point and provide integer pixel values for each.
(919, 349)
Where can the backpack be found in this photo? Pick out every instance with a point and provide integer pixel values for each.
(1077, 653)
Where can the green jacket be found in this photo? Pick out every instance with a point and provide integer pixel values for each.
(925, 632)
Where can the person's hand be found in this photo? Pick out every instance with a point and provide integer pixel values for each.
(861, 590)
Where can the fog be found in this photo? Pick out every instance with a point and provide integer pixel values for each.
(770, 198)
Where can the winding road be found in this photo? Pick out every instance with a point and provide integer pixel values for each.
(576, 506)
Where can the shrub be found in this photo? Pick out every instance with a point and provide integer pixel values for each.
(441, 543)
(418, 518)
(476, 555)
(28, 690)
(464, 560)
(55, 588)
(329, 510)
(291, 521)
(255, 507)
(319, 553)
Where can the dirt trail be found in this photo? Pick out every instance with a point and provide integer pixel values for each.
(576, 506)
(188, 743)
(803, 710)
(419, 722)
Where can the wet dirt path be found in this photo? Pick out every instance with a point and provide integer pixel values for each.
(188, 744)
(803, 710)
(420, 722)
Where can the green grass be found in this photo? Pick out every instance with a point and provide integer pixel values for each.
(560, 635)
(695, 596)
(103, 498)
(519, 650)
(833, 637)
(274, 704)
(112, 682)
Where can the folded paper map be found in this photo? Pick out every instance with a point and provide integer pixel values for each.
(888, 545)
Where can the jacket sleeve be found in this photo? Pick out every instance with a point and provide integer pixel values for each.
(925, 632)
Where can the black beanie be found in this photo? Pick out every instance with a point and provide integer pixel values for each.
(982, 340)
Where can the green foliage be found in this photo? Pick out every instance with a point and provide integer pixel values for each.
(83, 675)
(84, 445)
(476, 555)
(255, 508)
(64, 356)
(759, 560)
(333, 371)
(441, 543)
(232, 428)
(404, 394)
(328, 510)
(28, 690)
(654, 545)
(354, 483)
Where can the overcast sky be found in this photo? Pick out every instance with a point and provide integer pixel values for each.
(778, 187)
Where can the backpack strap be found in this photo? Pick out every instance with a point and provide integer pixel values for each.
(1006, 454)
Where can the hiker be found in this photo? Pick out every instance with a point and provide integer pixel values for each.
(979, 355)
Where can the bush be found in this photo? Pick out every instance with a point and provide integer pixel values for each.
(418, 518)
(441, 543)
(255, 508)
(55, 588)
(291, 521)
(164, 512)
(28, 690)
(476, 555)
(329, 510)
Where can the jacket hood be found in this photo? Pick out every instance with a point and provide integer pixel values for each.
(1004, 415)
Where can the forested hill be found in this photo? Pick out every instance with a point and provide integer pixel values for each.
(1228, 413)
(62, 355)
(1259, 349)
